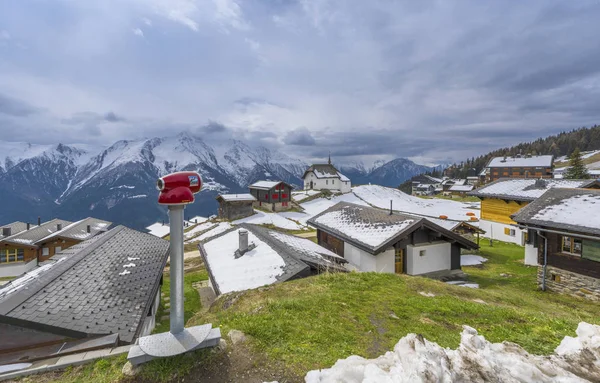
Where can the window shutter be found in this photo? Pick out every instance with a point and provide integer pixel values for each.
(507, 231)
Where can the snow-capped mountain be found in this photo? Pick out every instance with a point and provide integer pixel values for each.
(117, 183)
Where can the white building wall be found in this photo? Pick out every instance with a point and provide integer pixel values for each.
(495, 230)
(437, 258)
(16, 269)
(382, 262)
(332, 183)
(531, 255)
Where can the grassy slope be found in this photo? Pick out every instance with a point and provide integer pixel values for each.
(312, 322)
(589, 160)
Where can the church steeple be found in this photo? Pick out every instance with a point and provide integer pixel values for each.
(329, 158)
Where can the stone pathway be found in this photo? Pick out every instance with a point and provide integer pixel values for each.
(207, 295)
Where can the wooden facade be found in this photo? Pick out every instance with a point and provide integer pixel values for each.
(278, 197)
(498, 210)
(586, 263)
(518, 172)
(330, 242)
(12, 253)
(49, 249)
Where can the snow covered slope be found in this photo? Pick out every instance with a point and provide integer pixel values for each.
(380, 196)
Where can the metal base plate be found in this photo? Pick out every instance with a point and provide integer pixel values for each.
(167, 344)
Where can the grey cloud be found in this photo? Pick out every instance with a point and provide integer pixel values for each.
(300, 137)
(14, 107)
(112, 117)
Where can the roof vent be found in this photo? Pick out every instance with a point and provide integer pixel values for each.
(58, 226)
(28, 225)
(39, 221)
(540, 183)
(6, 231)
(89, 229)
(504, 159)
(243, 247)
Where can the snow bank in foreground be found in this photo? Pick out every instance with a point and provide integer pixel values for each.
(415, 359)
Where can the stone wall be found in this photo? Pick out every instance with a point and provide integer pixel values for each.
(566, 282)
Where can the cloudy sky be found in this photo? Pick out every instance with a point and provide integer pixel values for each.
(430, 80)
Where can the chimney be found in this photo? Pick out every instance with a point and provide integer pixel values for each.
(243, 241)
(58, 226)
(89, 229)
(28, 225)
(6, 231)
(39, 220)
(391, 211)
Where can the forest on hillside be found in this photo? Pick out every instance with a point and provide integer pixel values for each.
(565, 143)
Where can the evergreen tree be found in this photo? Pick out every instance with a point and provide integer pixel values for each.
(577, 169)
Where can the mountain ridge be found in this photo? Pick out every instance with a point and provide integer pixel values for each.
(117, 182)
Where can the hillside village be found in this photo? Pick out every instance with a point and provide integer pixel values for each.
(512, 234)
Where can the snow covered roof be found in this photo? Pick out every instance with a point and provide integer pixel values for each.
(159, 229)
(267, 185)
(373, 230)
(324, 171)
(526, 189)
(461, 188)
(276, 257)
(78, 230)
(522, 161)
(15, 228)
(90, 286)
(566, 209)
(31, 236)
(236, 197)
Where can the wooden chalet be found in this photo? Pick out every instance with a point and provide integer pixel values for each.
(235, 206)
(272, 195)
(566, 236)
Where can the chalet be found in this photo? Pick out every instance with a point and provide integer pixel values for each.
(504, 197)
(375, 240)
(272, 195)
(566, 236)
(235, 206)
(426, 185)
(519, 166)
(473, 180)
(104, 289)
(326, 177)
(250, 256)
(22, 251)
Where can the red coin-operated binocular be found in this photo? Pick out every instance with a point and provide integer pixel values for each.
(178, 188)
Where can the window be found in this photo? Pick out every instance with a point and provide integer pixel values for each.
(11, 255)
(556, 278)
(284, 196)
(326, 182)
(45, 252)
(509, 231)
(572, 245)
(57, 249)
(422, 253)
(333, 182)
(274, 196)
(591, 250)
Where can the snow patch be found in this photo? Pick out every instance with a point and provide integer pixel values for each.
(415, 359)
(262, 218)
(471, 260)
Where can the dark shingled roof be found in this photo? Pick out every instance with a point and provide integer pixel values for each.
(78, 230)
(92, 288)
(15, 228)
(371, 218)
(327, 170)
(554, 216)
(31, 236)
(297, 261)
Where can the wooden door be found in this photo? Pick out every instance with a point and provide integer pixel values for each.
(399, 261)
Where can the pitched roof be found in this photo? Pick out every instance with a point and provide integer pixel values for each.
(522, 161)
(15, 228)
(325, 171)
(267, 185)
(236, 197)
(78, 230)
(461, 188)
(31, 236)
(374, 230)
(566, 209)
(277, 257)
(526, 189)
(103, 285)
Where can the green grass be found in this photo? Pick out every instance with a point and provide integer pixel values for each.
(106, 370)
(286, 231)
(192, 299)
(7, 278)
(312, 322)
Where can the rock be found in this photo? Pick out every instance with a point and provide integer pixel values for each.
(129, 369)
(236, 336)
(505, 275)
(480, 301)
(222, 345)
(394, 316)
(423, 293)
